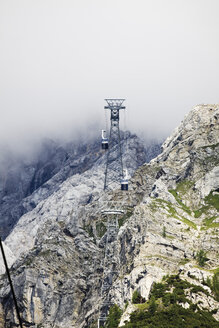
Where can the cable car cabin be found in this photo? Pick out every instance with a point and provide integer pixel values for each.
(105, 142)
(124, 180)
(124, 184)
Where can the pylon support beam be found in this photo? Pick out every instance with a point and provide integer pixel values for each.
(113, 212)
(114, 164)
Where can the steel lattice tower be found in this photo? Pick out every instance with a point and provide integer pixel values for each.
(114, 165)
(110, 264)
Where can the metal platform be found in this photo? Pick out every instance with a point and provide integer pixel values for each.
(112, 211)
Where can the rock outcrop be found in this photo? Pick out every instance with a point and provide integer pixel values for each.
(170, 215)
(24, 182)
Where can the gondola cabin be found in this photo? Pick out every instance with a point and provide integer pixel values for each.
(124, 181)
(105, 141)
(124, 184)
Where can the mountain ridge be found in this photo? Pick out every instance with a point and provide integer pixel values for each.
(170, 218)
(27, 181)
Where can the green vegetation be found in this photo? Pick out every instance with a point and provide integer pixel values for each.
(162, 290)
(173, 317)
(213, 284)
(201, 258)
(125, 217)
(189, 223)
(142, 306)
(210, 201)
(158, 203)
(213, 200)
(163, 310)
(114, 316)
(137, 298)
(213, 146)
(172, 212)
(89, 229)
(183, 186)
(196, 289)
(164, 232)
(200, 211)
(215, 271)
(152, 306)
(101, 229)
(209, 223)
(180, 192)
(184, 261)
(179, 201)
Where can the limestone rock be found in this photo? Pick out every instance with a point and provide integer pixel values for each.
(9, 257)
(170, 214)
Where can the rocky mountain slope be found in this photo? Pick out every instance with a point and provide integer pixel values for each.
(25, 181)
(169, 226)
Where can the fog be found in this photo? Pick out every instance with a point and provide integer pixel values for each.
(60, 59)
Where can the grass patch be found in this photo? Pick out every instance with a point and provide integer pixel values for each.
(183, 186)
(213, 200)
(170, 237)
(143, 306)
(100, 229)
(210, 201)
(179, 201)
(216, 270)
(201, 258)
(189, 223)
(213, 146)
(209, 223)
(89, 230)
(200, 211)
(125, 217)
(184, 261)
(173, 213)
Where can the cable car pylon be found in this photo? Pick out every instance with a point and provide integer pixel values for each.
(114, 172)
(110, 265)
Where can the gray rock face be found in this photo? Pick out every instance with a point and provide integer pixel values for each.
(26, 182)
(170, 214)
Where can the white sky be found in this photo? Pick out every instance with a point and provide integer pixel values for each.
(59, 59)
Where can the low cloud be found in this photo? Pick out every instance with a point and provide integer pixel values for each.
(59, 60)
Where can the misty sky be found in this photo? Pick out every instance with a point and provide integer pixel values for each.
(60, 59)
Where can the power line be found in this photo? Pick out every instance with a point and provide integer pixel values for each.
(11, 284)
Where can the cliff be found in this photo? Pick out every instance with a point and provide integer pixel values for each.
(169, 227)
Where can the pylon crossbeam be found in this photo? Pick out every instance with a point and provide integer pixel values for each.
(109, 212)
(112, 103)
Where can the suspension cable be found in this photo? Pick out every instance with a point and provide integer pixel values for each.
(11, 285)
(126, 132)
(106, 122)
